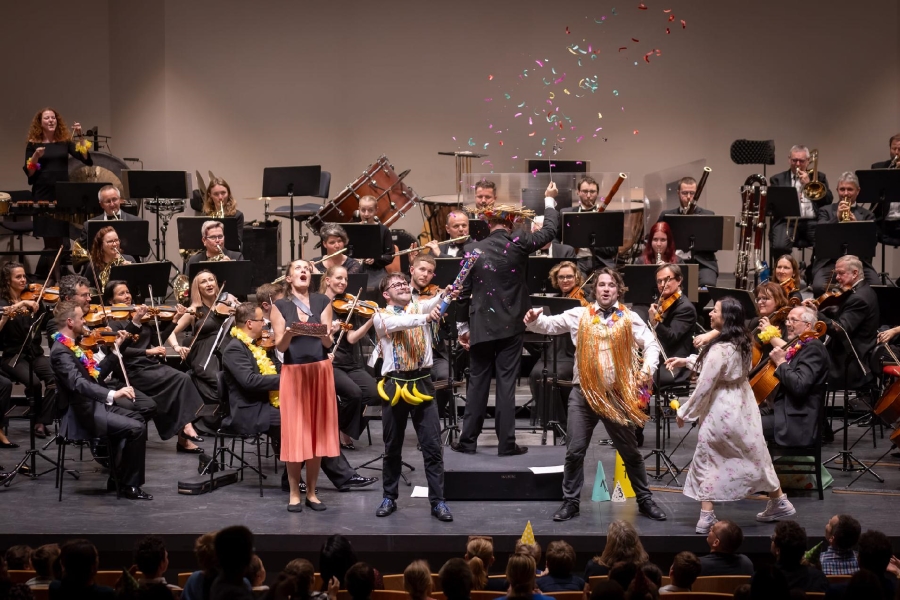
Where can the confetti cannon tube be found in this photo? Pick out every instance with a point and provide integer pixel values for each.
(467, 265)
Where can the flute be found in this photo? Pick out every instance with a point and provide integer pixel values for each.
(419, 249)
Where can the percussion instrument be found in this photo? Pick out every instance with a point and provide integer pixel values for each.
(435, 212)
(395, 198)
(5, 201)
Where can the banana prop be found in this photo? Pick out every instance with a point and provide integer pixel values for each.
(407, 392)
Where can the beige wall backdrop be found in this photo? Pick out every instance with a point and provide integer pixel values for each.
(234, 86)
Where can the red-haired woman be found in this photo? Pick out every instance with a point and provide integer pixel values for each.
(47, 154)
(659, 247)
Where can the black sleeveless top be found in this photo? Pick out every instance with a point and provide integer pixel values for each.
(303, 349)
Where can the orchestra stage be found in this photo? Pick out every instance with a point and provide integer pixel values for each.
(32, 515)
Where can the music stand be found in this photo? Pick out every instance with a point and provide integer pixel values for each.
(888, 301)
(745, 297)
(237, 274)
(79, 197)
(534, 199)
(834, 240)
(641, 283)
(784, 202)
(876, 186)
(446, 270)
(478, 229)
(593, 230)
(290, 182)
(133, 235)
(697, 233)
(156, 185)
(364, 240)
(139, 275)
(538, 274)
(190, 234)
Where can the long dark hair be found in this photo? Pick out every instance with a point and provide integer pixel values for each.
(733, 330)
(335, 557)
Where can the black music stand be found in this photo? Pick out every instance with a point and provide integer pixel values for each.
(134, 236)
(745, 297)
(237, 274)
(364, 240)
(290, 182)
(478, 229)
(533, 199)
(888, 301)
(190, 236)
(696, 233)
(783, 202)
(593, 230)
(79, 197)
(834, 240)
(139, 276)
(640, 280)
(446, 270)
(156, 185)
(877, 187)
(537, 276)
(558, 166)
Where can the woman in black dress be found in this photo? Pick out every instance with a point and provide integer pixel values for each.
(176, 397)
(32, 361)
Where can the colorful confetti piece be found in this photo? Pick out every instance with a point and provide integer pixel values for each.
(615, 92)
(642, 6)
(683, 24)
(671, 18)
(490, 77)
(635, 132)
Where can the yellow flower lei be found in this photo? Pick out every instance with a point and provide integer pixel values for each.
(766, 335)
(265, 364)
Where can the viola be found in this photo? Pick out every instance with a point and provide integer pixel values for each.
(763, 380)
(35, 291)
(364, 308)
(103, 336)
(665, 305)
(788, 285)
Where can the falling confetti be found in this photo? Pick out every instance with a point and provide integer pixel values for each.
(671, 18)
(667, 10)
(642, 6)
(635, 40)
(488, 99)
(599, 116)
(518, 115)
(490, 77)
(567, 31)
(539, 62)
(683, 24)
(668, 31)
(615, 92)
(471, 143)
(635, 132)
(623, 48)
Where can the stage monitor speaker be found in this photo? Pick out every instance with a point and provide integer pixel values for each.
(262, 246)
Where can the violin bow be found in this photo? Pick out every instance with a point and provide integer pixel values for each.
(35, 320)
(347, 320)
(156, 320)
(202, 323)
(121, 363)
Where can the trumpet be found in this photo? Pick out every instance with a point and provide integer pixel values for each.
(423, 248)
(894, 160)
(844, 215)
(814, 189)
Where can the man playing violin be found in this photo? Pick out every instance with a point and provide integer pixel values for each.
(802, 370)
(213, 235)
(853, 325)
(672, 317)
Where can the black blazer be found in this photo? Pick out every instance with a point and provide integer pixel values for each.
(858, 316)
(705, 259)
(248, 389)
(800, 398)
(494, 298)
(881, 165)
(674, 333)
(560, 250)
(78, 390)
(201, 257)
(783, 179)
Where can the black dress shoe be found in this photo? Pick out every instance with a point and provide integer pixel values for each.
(8, 445)
(316, 506)
(194, 438)
(649, 509)
(387, 507)
(135, 493)
(349, 446)
(40, 431)
(295, 508)
(441, 512)
(183, 450)
(568, 510)
(517, 450)
(455, 446)
(357, 481)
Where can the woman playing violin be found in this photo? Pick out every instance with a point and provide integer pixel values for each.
(659, 247)
(334, 239)
(354, 385)
(204, 298)
(13, 283)
(787, 275)
(566, 278)
(177, 400)
(105, 255)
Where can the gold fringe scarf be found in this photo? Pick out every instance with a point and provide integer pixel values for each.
(408, 345)
(605, 345)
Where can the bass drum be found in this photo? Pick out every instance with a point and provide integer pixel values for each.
(106, 169)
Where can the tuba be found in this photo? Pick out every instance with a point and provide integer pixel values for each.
(752, 224)
(814, 189)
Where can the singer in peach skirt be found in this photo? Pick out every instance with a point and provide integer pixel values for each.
(309, 415)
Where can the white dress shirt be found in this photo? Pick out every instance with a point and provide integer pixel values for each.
(807, 209)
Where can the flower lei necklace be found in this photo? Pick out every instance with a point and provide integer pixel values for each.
(615, 316)
(789, 354)
(85, 356)
(266, 367)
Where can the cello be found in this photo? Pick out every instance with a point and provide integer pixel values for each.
(762, 378)
(888, 407)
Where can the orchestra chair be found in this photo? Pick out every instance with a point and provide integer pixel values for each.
(108, 578)
(393, 582)
(781, 455)
(72, 433)
(719, 584)
(224, 433)
(21, 576)
(183, 577)
(832, 579)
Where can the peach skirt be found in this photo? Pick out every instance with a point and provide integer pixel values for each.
(309, 415)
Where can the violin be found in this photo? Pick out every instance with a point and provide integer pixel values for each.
(778, 317)
(95, 316)
(364, 308)
(124, 311)
(430, 291)
(763, 380)
(830, 298)
(788, 286)
(103, 336)
(12, 313)
(35, 291)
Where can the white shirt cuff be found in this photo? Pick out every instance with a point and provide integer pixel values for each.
(462, 328)
(549, 202)
(110, 396)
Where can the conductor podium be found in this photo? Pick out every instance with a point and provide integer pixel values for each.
(537, 475)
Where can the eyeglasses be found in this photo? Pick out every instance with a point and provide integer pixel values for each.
(790, 320)
(215, 238)
(398, 285)
(762, 299)
(256, 320)
(565, 277)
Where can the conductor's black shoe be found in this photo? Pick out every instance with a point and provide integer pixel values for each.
(135, 493)
(456, 447)
(639, 435)
(441, 512)
(387, 507)
(568, 510)
(357, 481)
(517, 450)
(649, 509)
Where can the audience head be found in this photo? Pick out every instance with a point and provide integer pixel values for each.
(865, 584)
(623, 572)
(769, 583)
(742, 592)
(18, 558)
(641, 588)
(287, 587)
(205, 552)
(560, 559)
(789, 542)
(151, 557)
(234, 549)
(303, 571)
(685, 569)
(456, 579)
(842, 532)
(256, 574)
(417, 580)
(622, 544)
(360, 581)
(875, 552)
(533, 550)
(520, 571)
(725, 536)
(653, 573)
(79, 561)
(480, 554)
(607, 590)
(335, 557)
(44, 561)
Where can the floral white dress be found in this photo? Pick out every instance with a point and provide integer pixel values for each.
(731, 460)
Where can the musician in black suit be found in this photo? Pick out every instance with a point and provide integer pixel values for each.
(552, 249)
(672, 318)
(110, 202)
(802, 370)
(848, 190)
(708, 266)
(796, 177)
(889, 223)
(94, 405)
(855, 320)
(492, 305)
(591, 259)
(213, 235)
(368, 207)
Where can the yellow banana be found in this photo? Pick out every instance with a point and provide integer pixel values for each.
(396, 397)
(415, 392)
(381, 392)
(408, 397)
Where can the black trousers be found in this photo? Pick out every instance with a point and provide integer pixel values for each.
(428, 430)
(565, 367)
(504, 355)
(127, 434)
(356, 389)
(5, 396)
(440, 371)
(44, 398)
